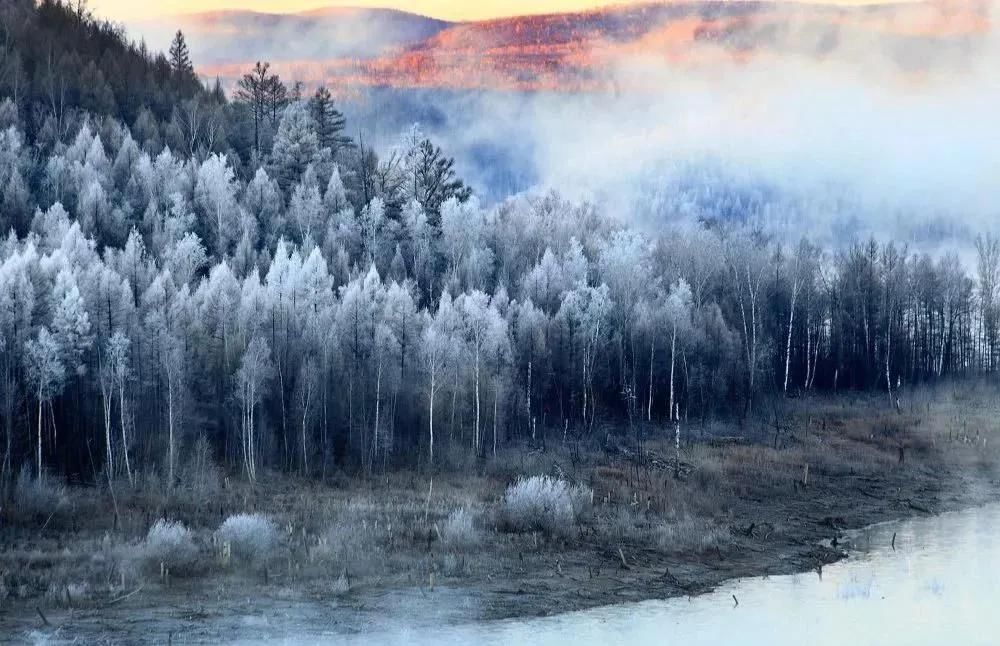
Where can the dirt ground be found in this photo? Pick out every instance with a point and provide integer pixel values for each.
(757, 500)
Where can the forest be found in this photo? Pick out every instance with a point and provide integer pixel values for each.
(185, 274)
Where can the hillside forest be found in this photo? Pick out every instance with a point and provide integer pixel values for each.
(188, 273)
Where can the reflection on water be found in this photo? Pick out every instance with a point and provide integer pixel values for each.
(941, 585)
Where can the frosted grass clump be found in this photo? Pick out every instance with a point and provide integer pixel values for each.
(250, 537)
(169, 543)
(543, 503)
(459, 530)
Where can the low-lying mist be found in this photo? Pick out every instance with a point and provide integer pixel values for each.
(789, 144)
(852, 144)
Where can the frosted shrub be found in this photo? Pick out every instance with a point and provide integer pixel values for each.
(41, 496)
(169, 543)
(459, 531)
(544, 504)
(250, 536)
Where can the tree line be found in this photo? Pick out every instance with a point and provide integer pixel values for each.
(336, 307)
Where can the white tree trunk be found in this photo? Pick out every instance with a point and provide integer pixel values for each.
(121, 414)
(39, 456)
(809, 368)
(477, 400)
(888, 352)
(378, 401)
(250, 455)
(677, 442)
(431, 417)
(673, 353)
(649, 406)
(246, 436)
(305, 417)
(788, 342)
(527, 401)
(496, 405)
(106, 404)
(170, 430)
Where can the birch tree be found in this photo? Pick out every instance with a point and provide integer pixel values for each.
(251, 379)
(436, 353)
(46, 374)
(747, 268)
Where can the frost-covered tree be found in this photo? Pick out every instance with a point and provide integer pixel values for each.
(431, 177)
(373, 224)
(335, 195)
(747, 266)
(215, 195)
(70, 323)
(306, 209)
(115, 377)
(530, 326)
(46, 374)
(263, 200)
(584, 312)
(624, 267)
(296, 146)
(185, 259)
(677, 310)
(437, 353)
(463, 227)
(17, 305)
(306, 385)
(486, 337)
(402, 317)
(251, 380)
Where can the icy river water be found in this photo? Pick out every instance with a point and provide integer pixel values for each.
(940, 584)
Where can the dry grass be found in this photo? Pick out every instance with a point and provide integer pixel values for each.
(38, 498)
(689, 534)
(352, 545)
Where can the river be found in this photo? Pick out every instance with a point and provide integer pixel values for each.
(940, 584)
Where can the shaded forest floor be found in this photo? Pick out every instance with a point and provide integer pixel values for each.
(379, 552)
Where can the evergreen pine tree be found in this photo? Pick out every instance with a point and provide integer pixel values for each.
(330, 122)
(180, 57)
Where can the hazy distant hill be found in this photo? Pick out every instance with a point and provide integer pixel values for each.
(223, 37)
(571, 51)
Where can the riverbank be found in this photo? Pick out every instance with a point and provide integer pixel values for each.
(411, 549)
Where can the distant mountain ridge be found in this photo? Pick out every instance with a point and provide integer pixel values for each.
(349, 47)
(234, 36)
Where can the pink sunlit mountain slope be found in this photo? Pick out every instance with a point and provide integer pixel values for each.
(348, 48)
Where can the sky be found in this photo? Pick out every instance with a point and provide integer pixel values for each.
(446, 9)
